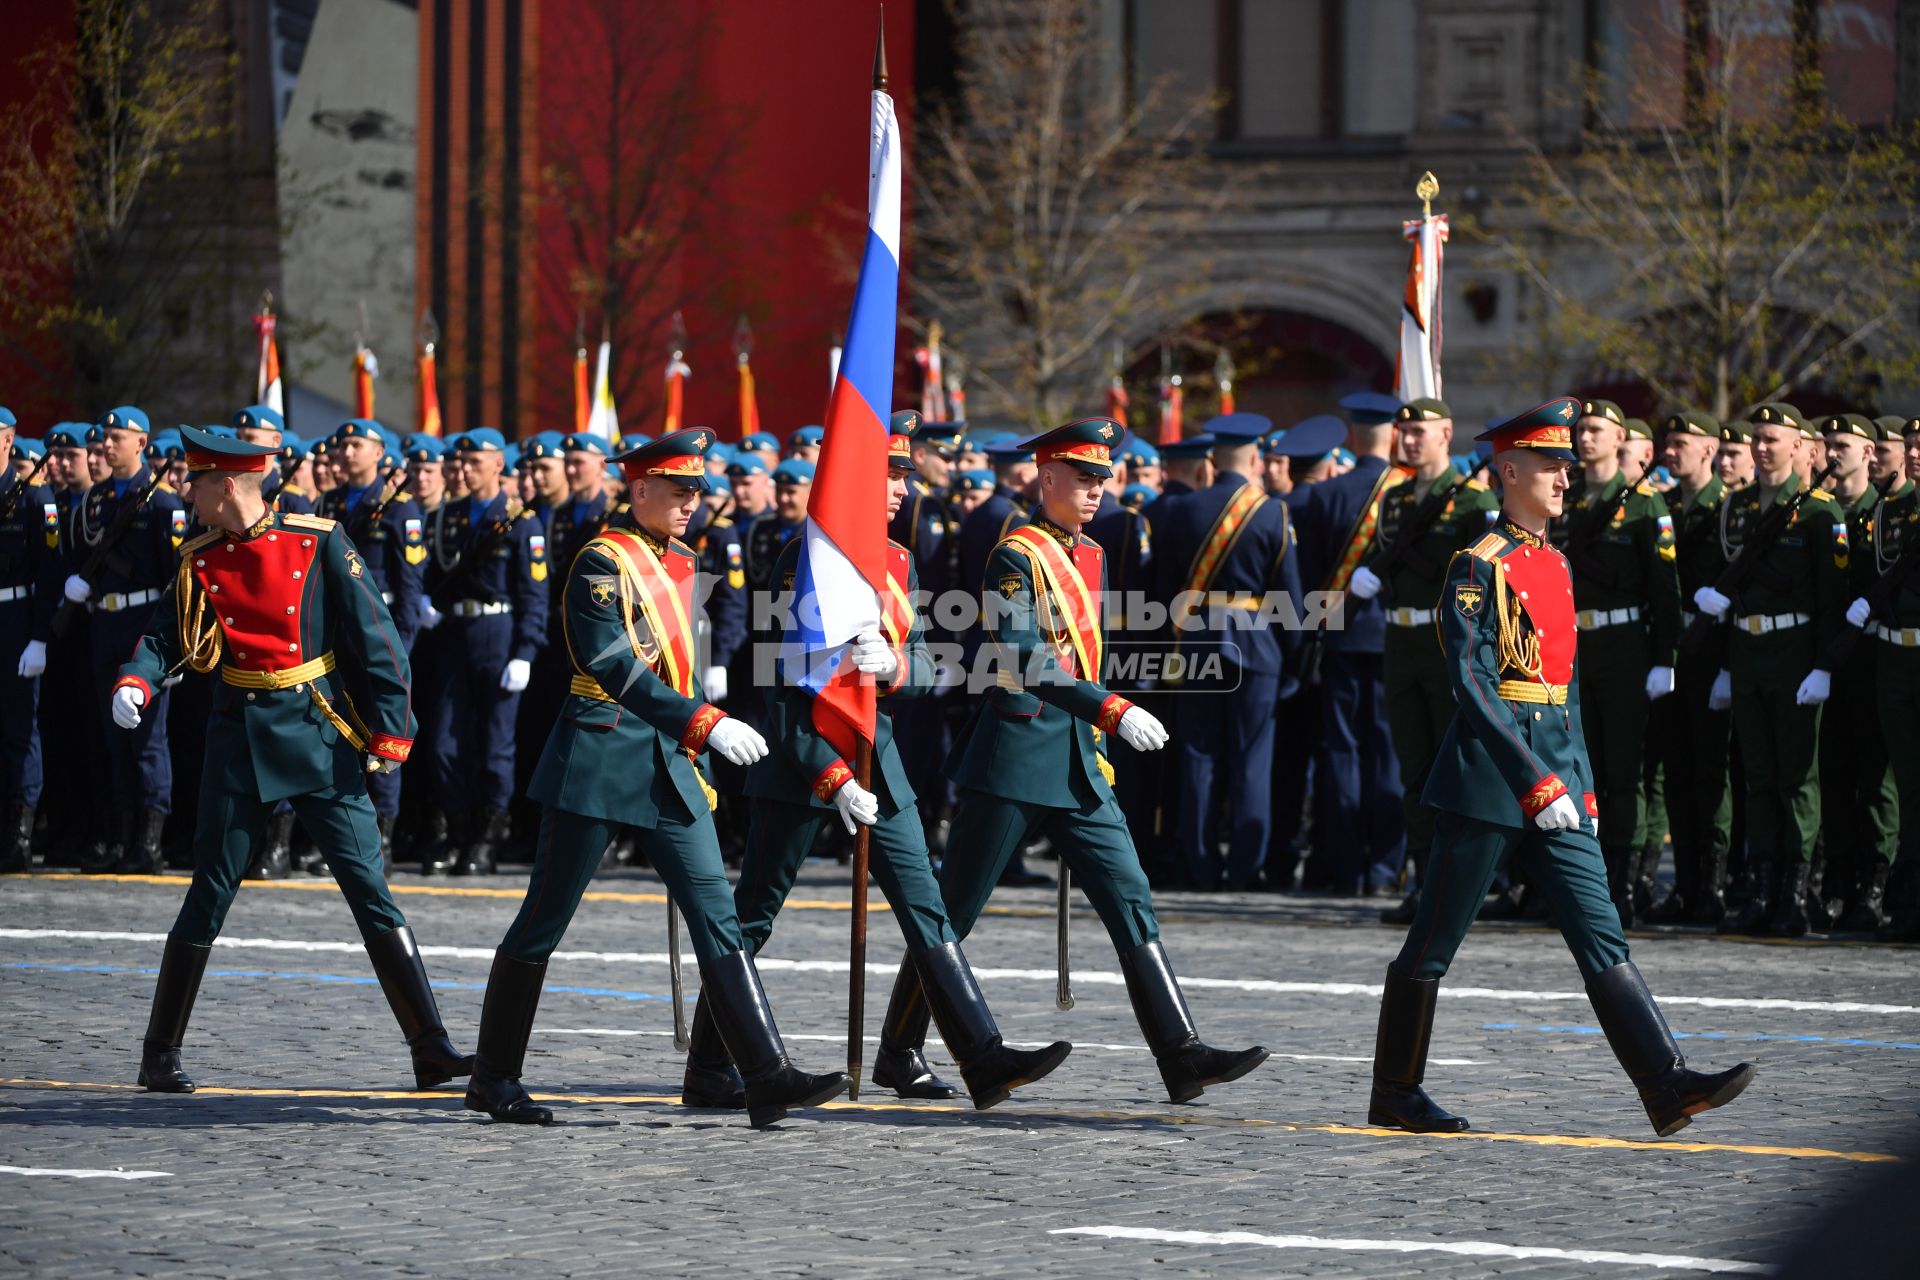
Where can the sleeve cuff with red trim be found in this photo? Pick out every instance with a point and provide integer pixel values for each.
(1593, 805)
(388, 747)
(695, 736)
(831, 779)
(1110, 712)
(131, 681)
(1544, 793)
(899, 676)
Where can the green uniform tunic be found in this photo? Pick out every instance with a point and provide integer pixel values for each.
(1895, 644)
(1859, 807)
(1692, 738)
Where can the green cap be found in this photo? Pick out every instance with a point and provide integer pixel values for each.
(1603, 409)
(1637, 429)
(1849, 424)
(1693, 422)
(1424, 409)
(1778, 413)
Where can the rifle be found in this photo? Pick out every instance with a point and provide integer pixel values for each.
(1596, 524)
(1774, 522)
(368, 518)
(11, 503)
(477, 553)
(1879, 600)
(1424, 517)
(109, 542)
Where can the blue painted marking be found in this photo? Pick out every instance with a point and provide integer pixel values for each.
(1714, 1035)
(327, 977)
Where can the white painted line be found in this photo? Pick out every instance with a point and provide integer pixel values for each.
(126, 1175)
(1466, 1248)
(1085, 977)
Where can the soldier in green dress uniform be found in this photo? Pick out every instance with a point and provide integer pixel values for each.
(1509, 782)
(1784, 618)
(268, 599)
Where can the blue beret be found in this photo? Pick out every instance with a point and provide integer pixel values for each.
(1137, 496)
(68, 435)
(166, 443)
(361, 429)
(221, 429)
(6, 417)
(1192, 447)
(541, 446)
(1370, 406)
(27, 446)
(1008, 449)
(809, 434)
(1237, 428)
(511, 458)
(1314, 437)
(126, 417)
(722, 452)
(1136, 450)
(481, 440)
(421, 447)
(793, 471)
(941, 435)
(719, 485)
(1343, 456)
(586, 442)
(632, 440)
(747, 463)
(292, 451)
(760, 440)
(263, 416)
(974, 481)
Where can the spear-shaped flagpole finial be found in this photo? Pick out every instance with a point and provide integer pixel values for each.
(266, 302)
(880, 54)
(743, 339)
(429, 331)
(677, 336)
(1427, 188)
(580, 331)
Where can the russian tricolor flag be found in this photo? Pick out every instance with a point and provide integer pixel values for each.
(843, 562)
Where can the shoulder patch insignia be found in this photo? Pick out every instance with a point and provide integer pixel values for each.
(355, 565)
(1012, 584)
(1467, 598)
(179, 526)
(1840, 546)
(600, 589)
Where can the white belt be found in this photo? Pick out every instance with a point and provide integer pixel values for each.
(1594, 619)
(1903, 637)
(115, 601)
(479, 608)
(1409, 617)
(1758, 624)
(15, 593)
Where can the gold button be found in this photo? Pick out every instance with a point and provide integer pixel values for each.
(298, 688)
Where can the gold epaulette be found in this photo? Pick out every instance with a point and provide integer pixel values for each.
(720, 522)
(403, 496)
(295, 520)
(1646, 490)
(1821, 495)
(167, 487)
(295, 490)
(198, 541)
(1488, 548)
(1477, 485)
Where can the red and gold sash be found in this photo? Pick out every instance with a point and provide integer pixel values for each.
(1361, 535)
(1226, 531)
(663, 593)
(1081, 649)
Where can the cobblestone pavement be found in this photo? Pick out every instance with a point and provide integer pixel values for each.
(303, 1155)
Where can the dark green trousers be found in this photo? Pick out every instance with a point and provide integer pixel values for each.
(1859, 808)
(1778, 741)
(780, 837)
(1419, 711)
(1898, 674)
(1693, 741)
(1613, 705)
(228, 830)
(686, 855)
(1565, 865)
(1093, 842)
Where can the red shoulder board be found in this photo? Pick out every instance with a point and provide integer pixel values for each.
(1538, 578)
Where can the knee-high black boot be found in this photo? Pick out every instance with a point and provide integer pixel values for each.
(1186, 1065)
(182, 965)
(732, 987)
(1400, 1059)
(992, 1070)
(711, 1079)
(396, 961)
(506, 1024)
(901, 1063)
(1672, 1094)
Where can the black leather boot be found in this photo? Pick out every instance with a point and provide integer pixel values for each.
(384, 821)
(901, 1063)
(1186, 1065)
(1790, 912)
(1673, 1095)
(273, 860)
(732, 986)
(711, 1079)
(1620, 863)
(1400, 1059)
(1867, 911)
(506, 1024)
(992, 1071)
(483, 855)
(396, 961)
(141, 854)
(1752, 917)
(440, 842)
(102, 854)
(16, 838)
(182, 965)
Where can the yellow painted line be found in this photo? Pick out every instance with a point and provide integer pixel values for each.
(443, 891)
(1197, 1119)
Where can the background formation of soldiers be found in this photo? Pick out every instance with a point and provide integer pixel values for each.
(1745, 591)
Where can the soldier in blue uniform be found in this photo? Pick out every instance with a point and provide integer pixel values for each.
(1509, 780)
(805, 442)
(1235, 567)
(486, 583)
(293, 591)
(1357, 790)
(121, 596)
(29, 588)
(68, 800)
(263, 425)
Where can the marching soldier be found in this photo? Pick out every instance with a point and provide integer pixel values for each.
(1618, 536)
(1693, 737)
(1508, 781)
(1233, 549)
(1032, 758)
(130, 528)
(1783, 618)
(29, 586)
(626, 750)
(805, 782)
(293, 591)
(487, 586)
(1422, 524)
(1733, 464)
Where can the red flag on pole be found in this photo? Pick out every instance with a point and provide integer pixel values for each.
(582, 387)
(677, 374)
(429, 389)
(267, 389)
(749, 401)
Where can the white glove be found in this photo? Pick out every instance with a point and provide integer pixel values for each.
(1140, 730)
(33, 659)
(873, 656)
(1561, 815)
(738, 741)
(429, 616)
(1711, 603)
(1815, 689)
(1659, 682)
(856, 805)
(127, 702)
(515, 677)
(1365, 583)
(380, 764)
(1857, 614)
(77, 589)
(714, 684)
(1720, 697)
